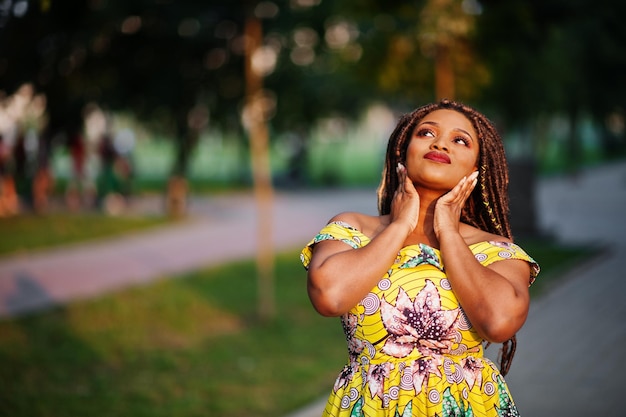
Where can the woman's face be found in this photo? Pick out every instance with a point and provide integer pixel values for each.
(443, 149)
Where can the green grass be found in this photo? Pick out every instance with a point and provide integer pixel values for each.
(29, 231)
(185, 347)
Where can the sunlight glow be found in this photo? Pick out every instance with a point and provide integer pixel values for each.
(264, 60)
(340, 33)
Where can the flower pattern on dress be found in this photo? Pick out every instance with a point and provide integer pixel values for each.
(376, 377)
(355, 345)
(420, 324)
(422, 369)
(345, 376)
(472, 371)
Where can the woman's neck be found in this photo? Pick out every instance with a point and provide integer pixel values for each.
(424, 232)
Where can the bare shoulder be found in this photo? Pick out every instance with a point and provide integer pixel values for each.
(473, 235)
(365, 223)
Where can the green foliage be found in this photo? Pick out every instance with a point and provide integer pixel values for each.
(516, 60)
(344, 163)
(543, 60)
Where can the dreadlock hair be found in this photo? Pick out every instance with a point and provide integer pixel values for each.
(487, 208)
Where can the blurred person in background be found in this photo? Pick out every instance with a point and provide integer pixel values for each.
(75, 194)
(9, 203)
(423, 287)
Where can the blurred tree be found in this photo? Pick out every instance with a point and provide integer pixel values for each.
(550, 58)
(255, 117)
(444, 29)
(179, 65)
(171, 64)
(416, 52)
(563, 57)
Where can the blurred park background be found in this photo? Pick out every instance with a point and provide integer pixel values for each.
(105, 103)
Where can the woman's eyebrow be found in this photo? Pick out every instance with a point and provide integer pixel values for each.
(465, 132)
(458, 129)
(428, 122)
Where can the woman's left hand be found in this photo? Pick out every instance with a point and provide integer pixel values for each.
(449, 206)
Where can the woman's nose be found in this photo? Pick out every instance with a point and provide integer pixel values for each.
(439, 144)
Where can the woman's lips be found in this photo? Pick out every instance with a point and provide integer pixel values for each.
(437, 157)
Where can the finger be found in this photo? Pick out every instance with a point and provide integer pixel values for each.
(467, 189)
(409, 186)
(405, 183)
(400, 173)
(469, 182)
(472, 180)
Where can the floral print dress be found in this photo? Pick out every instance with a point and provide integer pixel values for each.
(412, 350)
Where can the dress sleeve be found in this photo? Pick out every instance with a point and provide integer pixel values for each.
(489, 252)
(340, 231)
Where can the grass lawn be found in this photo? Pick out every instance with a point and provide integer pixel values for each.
(27, 232)
(184, 347)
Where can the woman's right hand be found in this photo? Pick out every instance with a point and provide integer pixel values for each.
(406, 201)
(340, 276)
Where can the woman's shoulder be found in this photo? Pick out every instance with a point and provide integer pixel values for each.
(367, 224)
(473, 235)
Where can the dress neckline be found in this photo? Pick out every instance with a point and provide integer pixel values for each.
(414, 245)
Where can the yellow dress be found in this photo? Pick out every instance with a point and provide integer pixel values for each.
(412, 350)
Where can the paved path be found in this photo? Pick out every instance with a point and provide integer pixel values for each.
(569, 359)
(219, 230)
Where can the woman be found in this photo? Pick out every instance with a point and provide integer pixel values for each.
(422, 286)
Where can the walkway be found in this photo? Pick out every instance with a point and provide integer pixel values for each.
(219, 230)
(569, 359)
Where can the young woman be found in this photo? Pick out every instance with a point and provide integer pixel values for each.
(421, 287)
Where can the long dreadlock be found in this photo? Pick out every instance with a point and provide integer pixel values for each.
(487, 208)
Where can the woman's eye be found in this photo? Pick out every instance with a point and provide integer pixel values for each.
(461, 141)
(425, 132)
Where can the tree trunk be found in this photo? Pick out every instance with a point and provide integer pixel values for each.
(444, 73)
(259, 152)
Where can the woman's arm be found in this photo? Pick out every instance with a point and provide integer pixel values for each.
(495, 298)
(339, 276)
